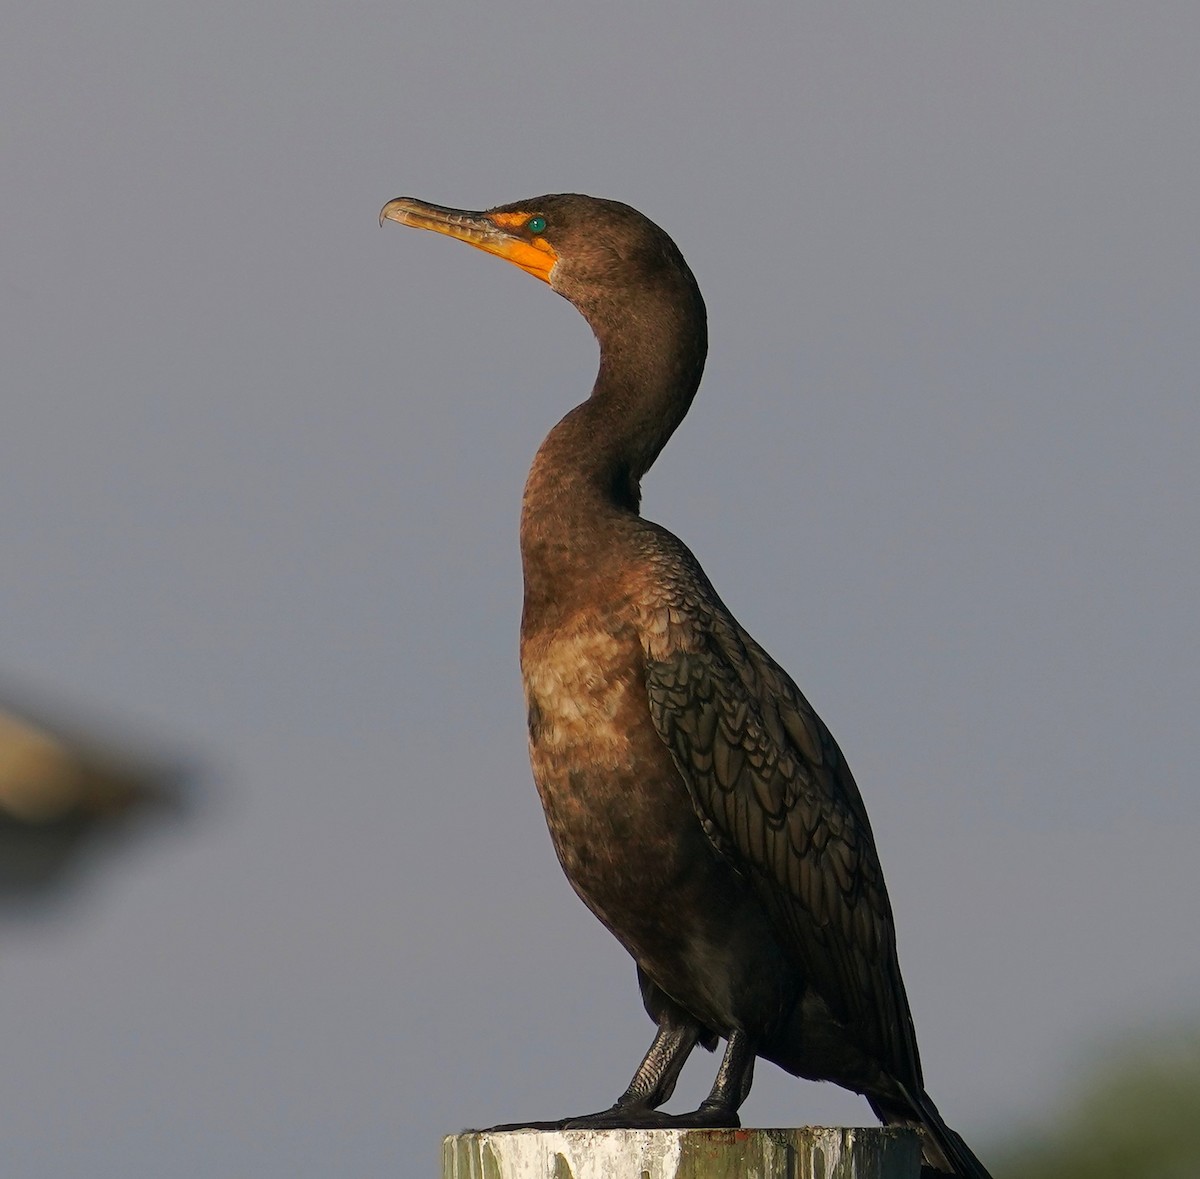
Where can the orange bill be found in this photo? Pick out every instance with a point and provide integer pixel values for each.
(500, 233)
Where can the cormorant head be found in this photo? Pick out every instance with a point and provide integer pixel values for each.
(596, 253)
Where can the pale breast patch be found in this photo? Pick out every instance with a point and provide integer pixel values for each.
(576, 686)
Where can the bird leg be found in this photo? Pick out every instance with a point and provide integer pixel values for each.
(732, 1085)
(654, 1081)
(652, 1084)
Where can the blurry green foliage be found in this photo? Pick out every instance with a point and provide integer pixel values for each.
(1137, 1116)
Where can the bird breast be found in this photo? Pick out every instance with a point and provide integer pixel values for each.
(577, 688)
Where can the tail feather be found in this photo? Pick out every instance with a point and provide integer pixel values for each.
(946, 1154)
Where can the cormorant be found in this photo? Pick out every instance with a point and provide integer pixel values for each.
(697, 803)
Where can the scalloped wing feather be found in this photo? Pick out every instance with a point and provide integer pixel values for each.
(775, 796)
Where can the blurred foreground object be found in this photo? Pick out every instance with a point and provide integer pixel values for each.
(62, 790)
(1137, 1117)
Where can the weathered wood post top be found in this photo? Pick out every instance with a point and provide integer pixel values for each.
(807, 1152)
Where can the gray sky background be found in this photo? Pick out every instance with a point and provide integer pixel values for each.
(261, 461)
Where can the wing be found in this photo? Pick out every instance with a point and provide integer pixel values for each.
(777, 799)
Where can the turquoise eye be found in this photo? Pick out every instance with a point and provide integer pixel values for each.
(536, 224)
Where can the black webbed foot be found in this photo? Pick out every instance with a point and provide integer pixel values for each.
(637, 1117)
(654, 1082)
(505, 1127)
(644, 1118)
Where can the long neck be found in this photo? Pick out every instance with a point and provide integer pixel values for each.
(585, 477)
(652, 350)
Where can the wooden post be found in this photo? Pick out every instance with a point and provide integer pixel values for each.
(808, 1152)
